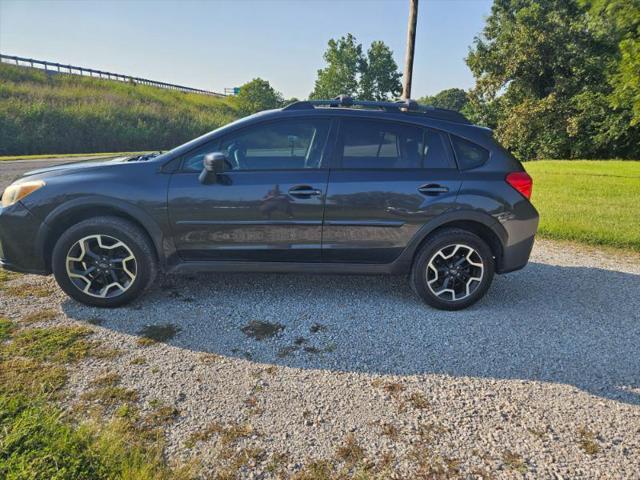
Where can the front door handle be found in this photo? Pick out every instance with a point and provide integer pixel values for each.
(433, 189)
(304, 191)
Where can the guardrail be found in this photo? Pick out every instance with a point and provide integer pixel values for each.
(54, 67)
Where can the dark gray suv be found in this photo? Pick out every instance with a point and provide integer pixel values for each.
(335, 186)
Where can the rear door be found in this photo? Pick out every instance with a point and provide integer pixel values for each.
(267, 207)
(388, 179)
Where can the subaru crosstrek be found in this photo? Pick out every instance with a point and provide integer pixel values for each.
(335, 186)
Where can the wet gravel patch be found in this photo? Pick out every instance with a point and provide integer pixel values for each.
(541, 379)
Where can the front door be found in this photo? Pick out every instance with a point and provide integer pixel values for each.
(389, 179)
(268, 206)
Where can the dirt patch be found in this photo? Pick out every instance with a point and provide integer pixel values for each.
(260, 330)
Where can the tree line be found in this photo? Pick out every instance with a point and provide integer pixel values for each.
(553, 78)
(560, 78)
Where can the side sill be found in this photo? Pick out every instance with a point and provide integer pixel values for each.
(290, 267)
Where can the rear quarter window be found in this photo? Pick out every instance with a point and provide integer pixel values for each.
(468, 154)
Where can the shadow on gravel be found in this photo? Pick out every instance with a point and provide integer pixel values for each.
(569, 325)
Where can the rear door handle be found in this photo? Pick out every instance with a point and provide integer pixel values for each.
(433, 189)
(304, 191)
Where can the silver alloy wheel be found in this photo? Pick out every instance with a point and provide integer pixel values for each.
(101, 266)
(454, 271)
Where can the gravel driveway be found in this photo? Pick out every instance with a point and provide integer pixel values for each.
(541, 379)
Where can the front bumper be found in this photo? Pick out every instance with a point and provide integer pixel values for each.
(19, 230)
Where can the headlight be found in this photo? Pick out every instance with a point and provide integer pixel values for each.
(18, 191)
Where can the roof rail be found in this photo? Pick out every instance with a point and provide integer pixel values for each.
(407, 106)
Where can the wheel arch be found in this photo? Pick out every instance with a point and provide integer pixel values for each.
(483, 225)
(75, 211)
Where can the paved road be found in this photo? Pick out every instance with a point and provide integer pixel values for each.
(9, 171)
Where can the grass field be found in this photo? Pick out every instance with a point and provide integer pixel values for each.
(596, 202)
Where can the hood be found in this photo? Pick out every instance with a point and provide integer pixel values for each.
(73, 166)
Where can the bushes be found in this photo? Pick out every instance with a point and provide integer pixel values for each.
(55, 113)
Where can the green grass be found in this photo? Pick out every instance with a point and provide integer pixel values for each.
(59, 344)
(29, 377)
(6, 327)
(38, 442)
(7, 276)
(596, 202)
(45, 113)
(38, 439)
(39, 316)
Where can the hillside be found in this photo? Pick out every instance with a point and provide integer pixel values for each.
(44, 112)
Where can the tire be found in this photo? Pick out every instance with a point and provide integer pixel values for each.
(430, 270)
(120, 254)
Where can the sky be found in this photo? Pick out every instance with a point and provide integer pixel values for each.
(219, 44)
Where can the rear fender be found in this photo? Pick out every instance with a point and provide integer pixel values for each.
(406, 258)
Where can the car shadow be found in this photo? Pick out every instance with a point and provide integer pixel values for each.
(569, 325)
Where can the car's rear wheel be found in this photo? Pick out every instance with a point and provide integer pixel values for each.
(453, 269)
(104, 262)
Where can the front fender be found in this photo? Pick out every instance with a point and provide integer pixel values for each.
(58, 220)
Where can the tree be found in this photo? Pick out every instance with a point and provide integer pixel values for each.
(380, 77)
(620, 20)
(257, 95)
(542, 80)
(340, 76)
(451, 98)
(289, 101)
(349, 72)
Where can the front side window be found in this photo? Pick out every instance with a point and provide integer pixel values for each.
(282, 145)
(193, 161)
(372, 144)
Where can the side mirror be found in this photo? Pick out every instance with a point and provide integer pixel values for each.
(213, 165)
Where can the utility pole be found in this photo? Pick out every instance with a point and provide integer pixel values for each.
(411, 41)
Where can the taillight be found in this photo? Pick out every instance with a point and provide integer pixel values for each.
(522, 182)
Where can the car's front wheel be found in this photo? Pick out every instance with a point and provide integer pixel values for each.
(453, 269)
(104, 262)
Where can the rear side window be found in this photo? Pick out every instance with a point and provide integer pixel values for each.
(436, 151)
(371, 144)
(468, 154)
